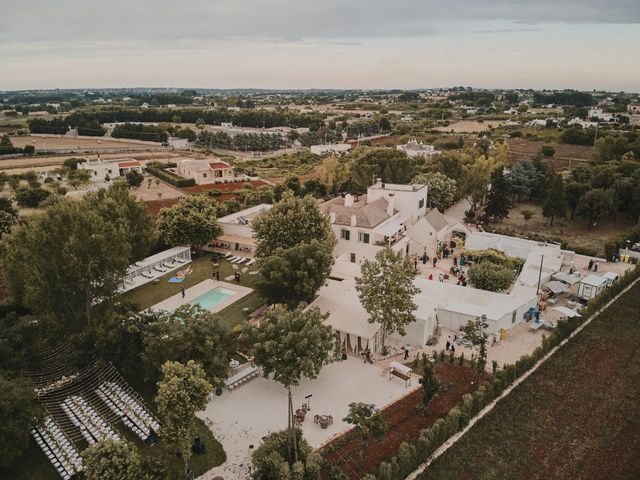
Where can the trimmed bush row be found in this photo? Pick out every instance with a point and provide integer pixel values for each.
(168, 177)
(411, 455)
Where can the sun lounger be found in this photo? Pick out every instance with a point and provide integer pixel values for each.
(228, 255)
(242, 260)
(251, 262)
(159, 269)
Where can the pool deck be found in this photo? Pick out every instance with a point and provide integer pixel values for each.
(175, 301)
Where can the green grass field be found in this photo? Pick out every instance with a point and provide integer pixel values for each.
(148, 295)
(576, 417)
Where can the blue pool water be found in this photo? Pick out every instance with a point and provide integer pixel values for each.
(212, 298)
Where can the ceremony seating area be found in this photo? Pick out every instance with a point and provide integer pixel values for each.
(91, 425)
(241, 377)
(62, 454)
(132, 413)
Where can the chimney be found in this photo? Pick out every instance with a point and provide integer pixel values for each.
(390, 204)
(348, 200)
(332, 217)
(353, 220)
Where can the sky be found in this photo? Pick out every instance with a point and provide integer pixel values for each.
(360, 44)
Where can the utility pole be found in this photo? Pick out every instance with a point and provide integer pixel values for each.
(540, 275)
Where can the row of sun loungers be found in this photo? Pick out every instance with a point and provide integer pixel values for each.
(58, 449)
(239, 260)
(241, 377)
(134, 415)
(91, 425)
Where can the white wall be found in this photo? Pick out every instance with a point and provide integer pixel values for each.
(406, 202)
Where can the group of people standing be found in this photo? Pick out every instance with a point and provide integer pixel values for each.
(593, 265)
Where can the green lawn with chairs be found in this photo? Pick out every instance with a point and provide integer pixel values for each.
(233, 316)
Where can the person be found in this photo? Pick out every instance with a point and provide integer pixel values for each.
(590, 266)
(218, 275)
(455, 261)
(406, 352)
(431, 276)
(415, 263)
(441, 278)
(183, 291)
(595, 266)
(453, 349)
(448, 344)
(425, 258)
(435, 260)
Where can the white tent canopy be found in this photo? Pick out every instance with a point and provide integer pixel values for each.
(567, 312)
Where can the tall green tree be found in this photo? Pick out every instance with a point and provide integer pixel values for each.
(182, 392)
(442, 190)
(499, 197)
(476, 332)
(555, 201)
(290, 345)
(290, 222)
(389, 164)
(333, 173)
(69, 261)
(386, 291)
(19, 411)
(294, 275)
(6, 222)
(270, 460)
(596, 205)
(189, 333)
(428, 381)
(192, 221)
(368, 422)
(111, 460)
(491, 276)
(574, 191)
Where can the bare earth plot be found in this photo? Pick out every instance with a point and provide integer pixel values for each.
(577, 417)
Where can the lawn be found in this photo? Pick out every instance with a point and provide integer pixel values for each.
(576, 417)
(148, 295)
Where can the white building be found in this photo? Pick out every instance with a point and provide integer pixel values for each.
(364, 225)
(633, 108)
(105, 170)
(582, 123)
(413, 148)
(212, 170)
(237, 232)
(599, 114)
(430, 233)
(591, 286)
(335, 148)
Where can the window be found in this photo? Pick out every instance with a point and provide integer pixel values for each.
(363, 237)
(421, 203)
(353, 258)
(204, 175)
(345, 234)
(513, 318)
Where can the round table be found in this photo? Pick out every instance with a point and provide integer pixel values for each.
(234, 363)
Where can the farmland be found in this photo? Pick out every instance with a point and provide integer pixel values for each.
(576, 417)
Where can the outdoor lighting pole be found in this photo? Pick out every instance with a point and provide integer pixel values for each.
(540, 275)
(308, 399)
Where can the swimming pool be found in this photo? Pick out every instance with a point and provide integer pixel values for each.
(213, 297)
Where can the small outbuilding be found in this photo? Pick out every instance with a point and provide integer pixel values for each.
(591, 286)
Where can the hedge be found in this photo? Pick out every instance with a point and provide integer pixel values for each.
(411, 455)
(170, 178)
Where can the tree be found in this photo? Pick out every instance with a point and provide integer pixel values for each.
(294, 275)
(333, 174)
(68, 263)
(499, 197)
(368, 422)
(548, 150)
(200, 123)
(78, 177)
(192, 221)
(386, 291)
(6, 205)
(290, 345)
(20, 410)
(596, 205)
(391, 165)
(476, 179)
(182, 392)
(476, 332)
(6, 222)
(555, 202)
(111, 460)
(442, 190)
(527, 215)
(491, 276)
(134, 179)
(270, 460)
(189, 333)
(428, 381)
(524, 179)
(31, 197)
(574, 191)
(290, 222)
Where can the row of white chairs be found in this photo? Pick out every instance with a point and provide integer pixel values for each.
(134, 415)
(56, 446)
(91, 425)
(242, 377)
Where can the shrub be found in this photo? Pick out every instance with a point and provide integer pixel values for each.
(169, 177)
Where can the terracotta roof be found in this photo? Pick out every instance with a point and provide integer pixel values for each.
(132, 163)
(215, 165)
(368, 215)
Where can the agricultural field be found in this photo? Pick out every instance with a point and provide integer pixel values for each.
(575, 418)
(565, 153)
(70, 143)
